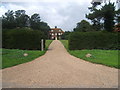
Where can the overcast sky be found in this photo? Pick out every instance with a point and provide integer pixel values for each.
(61, 13)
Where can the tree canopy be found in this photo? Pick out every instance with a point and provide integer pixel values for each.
(83, 26)
(19, 19)
(104, 18)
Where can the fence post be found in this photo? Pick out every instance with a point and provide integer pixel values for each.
(42, 48)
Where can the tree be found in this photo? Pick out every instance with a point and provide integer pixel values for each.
(22, 19)
(44, 27)
(103, 17)
(8, 20)
(35, 21)
(83, 26)
(118, 16)
(108, 12)
(37, 24)
(66, 35)
(95, 17)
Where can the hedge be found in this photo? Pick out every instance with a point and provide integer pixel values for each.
(26, 39)
(93, 40)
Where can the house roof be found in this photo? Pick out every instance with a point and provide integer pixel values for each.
(56, 30)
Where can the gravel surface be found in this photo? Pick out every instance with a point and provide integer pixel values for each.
(58, 69)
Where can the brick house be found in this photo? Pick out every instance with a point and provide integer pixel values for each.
(55, 33)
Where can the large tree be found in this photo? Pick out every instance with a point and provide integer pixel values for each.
(8, 20)
(66, 35)
(83, 26)
(22, 19)
(118, 16)
(104, 16)
(108, 12)
(35, 21)
(95, 16)
(37, 24)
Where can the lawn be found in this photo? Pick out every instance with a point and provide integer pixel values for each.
(12, 57)
(105, 57)
(48, 42)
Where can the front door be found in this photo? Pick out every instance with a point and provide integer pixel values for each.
(55, 38)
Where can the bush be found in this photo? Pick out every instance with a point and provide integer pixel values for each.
(93, 40)
(22, 39)
(65, 36)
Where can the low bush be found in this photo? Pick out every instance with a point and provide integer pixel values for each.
(93, 40)
(26, 39)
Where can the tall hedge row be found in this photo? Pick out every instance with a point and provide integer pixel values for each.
(26, 39)
(93, 40)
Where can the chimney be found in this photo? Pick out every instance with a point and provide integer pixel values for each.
(55, 26)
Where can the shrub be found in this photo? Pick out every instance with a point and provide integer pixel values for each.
(22, 39)
(93, 40)
(66, 34)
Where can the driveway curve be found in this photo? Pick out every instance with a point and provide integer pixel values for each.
(58, 69)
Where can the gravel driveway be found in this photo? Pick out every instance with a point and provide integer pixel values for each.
(58, 69)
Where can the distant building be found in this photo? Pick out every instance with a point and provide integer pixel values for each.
(56, 33)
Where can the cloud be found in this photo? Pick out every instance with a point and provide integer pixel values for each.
(2, 10)
(62, 13)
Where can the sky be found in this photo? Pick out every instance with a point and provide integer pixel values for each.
(64, 14)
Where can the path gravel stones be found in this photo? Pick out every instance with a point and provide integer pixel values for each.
(58, 69)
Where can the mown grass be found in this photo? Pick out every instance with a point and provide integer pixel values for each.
(48, 42)
(105, 57)
(12, 57)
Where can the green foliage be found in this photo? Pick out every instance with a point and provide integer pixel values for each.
(83, 26)
(105, 57)
(12, 57)
(96, 17)
(37, 24)
(19, 19)
(108, 13)
(35, 21)
(47, 43)
(22, 39)
(65, 43)
(66, 35)
(8, 21)
(103, 18)
(93, 40)
(44, 28)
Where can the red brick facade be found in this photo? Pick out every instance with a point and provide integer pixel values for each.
(56, 33)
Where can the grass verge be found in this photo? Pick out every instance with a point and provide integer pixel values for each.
(47, 43)
(105, 57)
(13, 57)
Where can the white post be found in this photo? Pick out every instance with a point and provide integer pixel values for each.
(42, 45)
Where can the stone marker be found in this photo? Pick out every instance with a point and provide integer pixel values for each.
(25, 54)
(88, 55)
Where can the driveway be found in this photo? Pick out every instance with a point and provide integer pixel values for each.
(56, 69)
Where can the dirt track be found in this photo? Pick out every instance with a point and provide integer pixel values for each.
(57, 68)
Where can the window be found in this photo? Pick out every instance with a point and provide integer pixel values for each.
(59, 33)
(51, 30)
